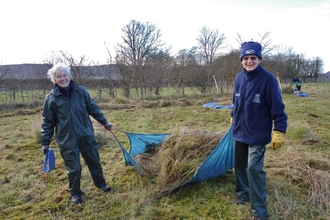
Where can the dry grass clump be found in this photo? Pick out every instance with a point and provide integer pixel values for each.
(183, 102)
(164, 103)
(176, 160)
(154, 104)
(319, 163)
(148, 164)
(21, 112)
(319, 187)
(309, 173)
(287, 88)
(115, 106)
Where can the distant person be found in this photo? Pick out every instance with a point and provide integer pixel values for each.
(66, 110)
(298, 85)
(257, 113)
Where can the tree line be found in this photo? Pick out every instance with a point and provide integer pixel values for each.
(142, 63)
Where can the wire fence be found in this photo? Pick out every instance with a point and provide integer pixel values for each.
(35, 97)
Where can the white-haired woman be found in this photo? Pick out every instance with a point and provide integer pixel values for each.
(66, 111)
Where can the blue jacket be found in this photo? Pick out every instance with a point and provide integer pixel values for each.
(258, 107)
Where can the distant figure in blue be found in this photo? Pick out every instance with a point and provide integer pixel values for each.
(298, 85)
(258, 118)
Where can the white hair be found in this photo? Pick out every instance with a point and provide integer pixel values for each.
(56, 69)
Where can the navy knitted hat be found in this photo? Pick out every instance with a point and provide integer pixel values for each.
(250, 48)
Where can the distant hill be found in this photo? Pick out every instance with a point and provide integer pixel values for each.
(327, 74)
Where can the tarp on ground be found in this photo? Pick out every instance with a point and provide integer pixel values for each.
(216, 106)
(302, 94)
(216, 164)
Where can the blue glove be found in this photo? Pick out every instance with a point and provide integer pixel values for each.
(45, 149)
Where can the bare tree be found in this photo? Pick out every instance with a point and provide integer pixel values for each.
(79, 67)
(318, 68)
(267, 45)
(313, 69)
(86, 72)
(227, 67)
(158, 67)
(126, 75)
(265, 41)
(284, 64)
(4, 71)
(139, 41)
(109, 74)
(209, 44)
(183, 74)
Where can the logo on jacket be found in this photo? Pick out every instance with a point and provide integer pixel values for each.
(256, 98)
(250, 51)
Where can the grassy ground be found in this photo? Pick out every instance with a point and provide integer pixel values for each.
(298, 175)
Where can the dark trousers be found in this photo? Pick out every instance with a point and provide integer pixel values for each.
(73, 166)
(250, 176)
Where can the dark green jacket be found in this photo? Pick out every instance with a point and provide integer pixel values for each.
(71, 119)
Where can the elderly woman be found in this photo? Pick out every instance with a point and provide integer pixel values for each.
(259, 118)
(66, 110)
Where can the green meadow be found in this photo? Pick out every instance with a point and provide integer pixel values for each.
(298, 174)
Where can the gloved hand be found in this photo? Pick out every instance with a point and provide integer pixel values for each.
(277, 140)
(45, 149)
(108, 126)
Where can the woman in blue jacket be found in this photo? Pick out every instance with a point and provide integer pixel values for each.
(257, 113)
(67, 109)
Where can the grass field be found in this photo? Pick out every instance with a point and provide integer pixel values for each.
(298, 174)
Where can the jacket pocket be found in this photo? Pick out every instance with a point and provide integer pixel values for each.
(87, 143)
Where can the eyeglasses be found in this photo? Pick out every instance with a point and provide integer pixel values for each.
(251, 58)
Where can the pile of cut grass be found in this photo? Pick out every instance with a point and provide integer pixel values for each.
(174, 162)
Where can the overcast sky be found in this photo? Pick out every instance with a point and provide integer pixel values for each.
(32, 29)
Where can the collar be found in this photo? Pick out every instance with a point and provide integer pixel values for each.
(250, 75)
(59, 90)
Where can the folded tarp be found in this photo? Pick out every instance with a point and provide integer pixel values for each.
(302, 95)
(218, 162)
(216, 106)
(299, 93)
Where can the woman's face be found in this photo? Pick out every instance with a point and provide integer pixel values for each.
(62, 79)
(250, 62)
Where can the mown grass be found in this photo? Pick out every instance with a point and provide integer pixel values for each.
(297, 182)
